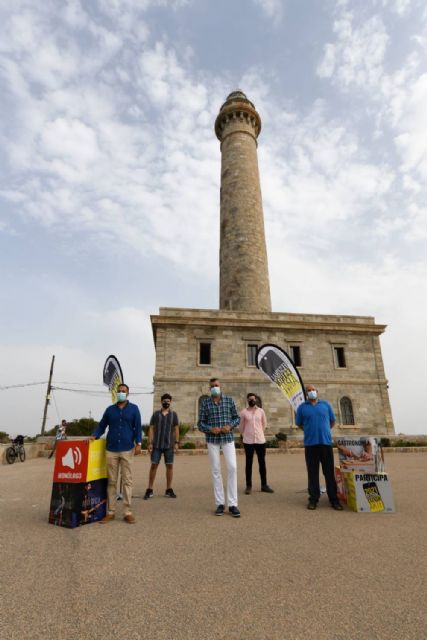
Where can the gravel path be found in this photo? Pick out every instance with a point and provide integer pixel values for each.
(280, 572)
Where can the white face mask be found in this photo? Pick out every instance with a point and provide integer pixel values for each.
(215, 391)
(312, 395)
(121, 396)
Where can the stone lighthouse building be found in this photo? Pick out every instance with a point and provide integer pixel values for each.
(341, 355)
(242, 271)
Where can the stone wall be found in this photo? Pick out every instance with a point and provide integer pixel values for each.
(178, 333)
(32, 450)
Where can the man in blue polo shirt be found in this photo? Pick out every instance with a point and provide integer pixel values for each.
(317, 419)
(124, 439)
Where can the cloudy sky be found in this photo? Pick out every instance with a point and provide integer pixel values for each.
(109, 181)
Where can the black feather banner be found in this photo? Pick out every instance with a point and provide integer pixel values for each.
(112, 376)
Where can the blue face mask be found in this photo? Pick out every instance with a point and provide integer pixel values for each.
(215, 391)
(121, 396)
(312, 395)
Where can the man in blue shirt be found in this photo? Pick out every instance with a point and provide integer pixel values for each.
(217, 418)
(124, 439)
(317, 419)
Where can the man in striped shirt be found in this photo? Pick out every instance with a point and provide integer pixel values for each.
(217, 418)
(163, 439)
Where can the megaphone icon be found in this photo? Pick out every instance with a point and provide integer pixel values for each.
(68, 459)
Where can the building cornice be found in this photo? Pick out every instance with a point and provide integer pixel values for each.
(169, 316)
(330, 380)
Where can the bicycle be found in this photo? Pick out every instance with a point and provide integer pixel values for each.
(16, 450)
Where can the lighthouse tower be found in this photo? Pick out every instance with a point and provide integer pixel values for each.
(244, 283)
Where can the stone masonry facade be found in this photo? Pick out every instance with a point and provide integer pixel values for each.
(178, 334)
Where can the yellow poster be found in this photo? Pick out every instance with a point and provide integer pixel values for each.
(97, 460)
(369, 492)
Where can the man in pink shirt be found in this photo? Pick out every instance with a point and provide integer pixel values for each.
(252, 427)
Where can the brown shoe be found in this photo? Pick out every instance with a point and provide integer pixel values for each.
(107, 518)
(130, 519)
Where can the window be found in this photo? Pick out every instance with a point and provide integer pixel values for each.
(339, 357)
(346, 411)
(204, 353)
(296, 354)
(251, 354)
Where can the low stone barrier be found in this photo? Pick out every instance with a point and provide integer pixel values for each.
(32, 450)
(41, 449)
(404, 450)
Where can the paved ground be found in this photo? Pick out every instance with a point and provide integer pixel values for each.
(181, 573)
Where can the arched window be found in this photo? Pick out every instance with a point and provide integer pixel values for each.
(346, 410)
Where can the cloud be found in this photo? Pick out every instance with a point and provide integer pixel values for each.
(109, 138)
(357, 56)
(134, 142)
(394, 99)
(411, 125)
(398, 6)
(273, 9)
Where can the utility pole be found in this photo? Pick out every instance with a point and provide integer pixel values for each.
(49, 388)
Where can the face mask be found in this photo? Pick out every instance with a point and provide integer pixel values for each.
(121, 396)
(312, 394)
(166, 405)
(252, 403)
(215, 391)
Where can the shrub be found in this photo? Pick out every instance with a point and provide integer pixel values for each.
(385, 442)
(144, 443)
(281, 436)
(406, 443)
(183, 428)
(271, 444)
(80, 427)
(188, 445)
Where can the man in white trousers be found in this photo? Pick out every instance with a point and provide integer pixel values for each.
(217, 418)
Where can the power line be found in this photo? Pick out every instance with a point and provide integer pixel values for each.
(56, 406)
(89, 392)
(89, 384)
(98, 394)
(26, 384)
(98, 384)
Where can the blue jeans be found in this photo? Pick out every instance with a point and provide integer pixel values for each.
(156, 455)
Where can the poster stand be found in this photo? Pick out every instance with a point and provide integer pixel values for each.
(79, 490)
(361, 480)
